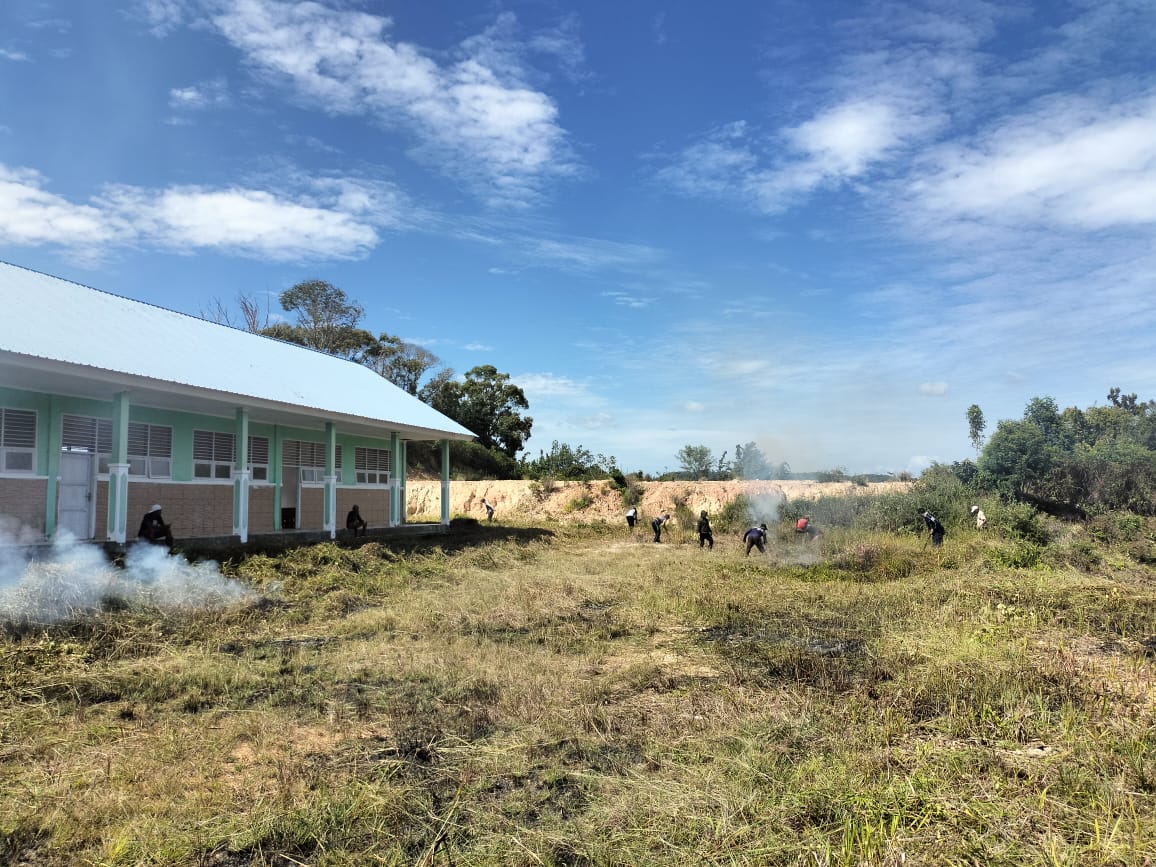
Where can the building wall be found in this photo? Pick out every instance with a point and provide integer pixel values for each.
(192, 510)
(23, 501)
(312, 514)
(261, 509)
(373, 503)
(193, 507)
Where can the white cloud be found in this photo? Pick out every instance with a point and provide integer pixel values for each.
(29, 215)
(1073, 163)
(588, 253)
(933, 389)
(332, 219)
(210, 94)
(8, 54)
(547, 385)
(162, 16)
(476, 117)
(478, 347)
(694, 406)
(626, 299)
(836, 145)
(252, 223)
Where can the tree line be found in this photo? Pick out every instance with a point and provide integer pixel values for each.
(1073, 462)
(484, 400)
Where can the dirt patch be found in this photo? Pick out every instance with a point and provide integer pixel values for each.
(600, 501)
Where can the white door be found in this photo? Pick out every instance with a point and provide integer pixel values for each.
(76, 494)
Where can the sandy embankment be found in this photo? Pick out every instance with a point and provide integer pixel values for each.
(523, 500)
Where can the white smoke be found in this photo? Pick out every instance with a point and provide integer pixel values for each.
(70, 579)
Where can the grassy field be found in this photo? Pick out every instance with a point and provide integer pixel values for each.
(573, 695)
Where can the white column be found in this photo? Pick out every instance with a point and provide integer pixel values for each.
(445, 444)
(241, 504)
(117, 503)
(331, 506)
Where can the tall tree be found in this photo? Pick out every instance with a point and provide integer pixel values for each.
(695, 461)
(975, 427)
(402, 363)
(487, 404)
(326, 320)
(751, 463)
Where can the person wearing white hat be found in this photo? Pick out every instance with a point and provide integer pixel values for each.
(153, 528)
(980, 517)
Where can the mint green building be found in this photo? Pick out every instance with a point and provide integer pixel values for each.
(109, 406)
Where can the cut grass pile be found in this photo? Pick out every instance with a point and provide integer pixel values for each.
(582, 696)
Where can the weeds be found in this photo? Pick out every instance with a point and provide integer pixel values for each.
(568, 698)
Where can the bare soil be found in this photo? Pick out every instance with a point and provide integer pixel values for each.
(600, 501)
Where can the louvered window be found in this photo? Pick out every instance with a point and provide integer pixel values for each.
(82, 433)
(150, 450)
(259, 458)
(310, 457)
(213, 454)
(150, 446)
(17, 440)
(372, 466)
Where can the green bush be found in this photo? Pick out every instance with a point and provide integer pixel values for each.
(1117, 527)
(1019, 521)
(1016, 554)
(734, 516)
(632, 493)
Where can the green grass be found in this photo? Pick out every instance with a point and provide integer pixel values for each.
(578, 696)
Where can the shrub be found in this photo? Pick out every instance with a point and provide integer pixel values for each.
(877, 560)
(1017, 554)
(1116, 527)
(734, 516)
(632, 493)
(1019, 521)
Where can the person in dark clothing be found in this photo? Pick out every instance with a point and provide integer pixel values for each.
(705, 536)
(657, 524)
(756, 537)
(356, 523)
(631, 517)
(934, 528)
(153, 528)
(489, 507)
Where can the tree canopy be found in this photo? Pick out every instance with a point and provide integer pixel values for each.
(696, 461)
(1089, 460)
(327, 320)
(485, 403)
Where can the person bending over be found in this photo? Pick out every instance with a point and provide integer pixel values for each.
(153, 528)
(756, 537)
(355, 523)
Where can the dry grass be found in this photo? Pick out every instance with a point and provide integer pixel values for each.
(586, 697)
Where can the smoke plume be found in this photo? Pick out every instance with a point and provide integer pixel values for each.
(71, 579)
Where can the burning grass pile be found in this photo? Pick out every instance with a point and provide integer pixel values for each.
(581, 695)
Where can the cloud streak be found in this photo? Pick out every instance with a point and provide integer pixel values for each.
(474, 116)
(331, 219)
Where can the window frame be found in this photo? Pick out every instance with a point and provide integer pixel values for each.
(209, 452)
(367, 466)
(14, 439)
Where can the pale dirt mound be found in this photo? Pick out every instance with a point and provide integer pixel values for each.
(523, 500)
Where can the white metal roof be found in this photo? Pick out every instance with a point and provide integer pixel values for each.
(54, 330)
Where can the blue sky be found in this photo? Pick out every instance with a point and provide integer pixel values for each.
(824, 227)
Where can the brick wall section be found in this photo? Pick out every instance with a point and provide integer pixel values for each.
(312, 513)
(207, 510)
(373, 503)
(23, 501)
(261, 509)
(193, 510)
